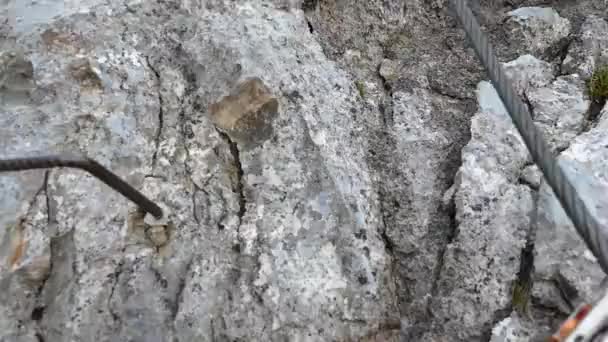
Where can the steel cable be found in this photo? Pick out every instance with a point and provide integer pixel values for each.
(586, 225)
(89, 165)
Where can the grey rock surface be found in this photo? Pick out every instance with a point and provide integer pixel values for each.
(561, 256)
(589, 49)
(516, 328)
(503, 220)
(560, 109)
(482, 260)
(539, 28)
(329, 170)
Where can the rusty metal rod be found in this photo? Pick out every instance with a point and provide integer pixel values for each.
(89, 165)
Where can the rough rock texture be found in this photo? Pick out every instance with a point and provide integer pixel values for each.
(560, 109)
(539, 28)
(482, 261)
(422, 98)
(577, 273)
(518, 329)
(330, 170)
(280, 239)
(589, 49)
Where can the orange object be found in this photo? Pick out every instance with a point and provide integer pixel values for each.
(570, 324)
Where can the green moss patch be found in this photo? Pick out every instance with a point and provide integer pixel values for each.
(598, 84)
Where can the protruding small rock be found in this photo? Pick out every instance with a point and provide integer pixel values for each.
(389, 70)
(158, 235)
(532, 176)
(87, 73)
(539, 28)
(36, 270)
(246, 114)
(157, 229)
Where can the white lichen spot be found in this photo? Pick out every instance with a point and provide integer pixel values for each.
(167, 149)
(248, 234)
(265, 270)
(589, 256)
(274, 294)
(134, 57)
(319, 138)
(276, 323)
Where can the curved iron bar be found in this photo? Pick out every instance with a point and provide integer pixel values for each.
(89, 165)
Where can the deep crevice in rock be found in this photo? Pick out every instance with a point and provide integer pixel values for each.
(194, 213)
(388, 244)
(451, 236)
(385, 105)
(182, 121)
(310, 27)
(32, 202)
(567, 291)
(593, 113)
(37, 313)
(44, 189)
(50, 217)
(115, 277)
(179, 294)
(522, 288)
(236, 158)
(438, 91)
(524, 280)
(386, 85)
(557, 53)
(160, 112)
(563, 52)
(528, 104)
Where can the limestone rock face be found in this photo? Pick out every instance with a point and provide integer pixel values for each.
(328, 171)
(590, 48)
(229, 116)
(537, 28)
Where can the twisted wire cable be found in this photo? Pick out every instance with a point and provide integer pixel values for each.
(586, 225)
(89, 165)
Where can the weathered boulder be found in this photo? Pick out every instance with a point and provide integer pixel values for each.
(589, 49)
(536, 30)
